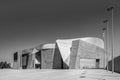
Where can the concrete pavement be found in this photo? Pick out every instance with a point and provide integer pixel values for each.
(49, 74)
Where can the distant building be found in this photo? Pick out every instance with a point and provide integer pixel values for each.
(63, 54)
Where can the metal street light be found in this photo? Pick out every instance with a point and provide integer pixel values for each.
(106, 41)
(112, 37)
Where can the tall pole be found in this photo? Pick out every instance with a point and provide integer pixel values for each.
(112, 38)
(105, 50)
(106, 42)
(107, 38)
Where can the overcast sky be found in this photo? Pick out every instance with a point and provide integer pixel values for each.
(28, 23)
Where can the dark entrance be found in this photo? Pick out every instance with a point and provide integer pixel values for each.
(97, 63)
(15, 57)
(25, 60)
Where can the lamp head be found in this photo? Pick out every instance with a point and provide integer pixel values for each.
(105, 21)
(110, 8)
(104, 29)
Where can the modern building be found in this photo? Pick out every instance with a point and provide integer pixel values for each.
(24, 59)
(32, 58)
(63, 54)
(82, 52)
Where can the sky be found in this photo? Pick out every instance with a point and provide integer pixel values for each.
(28, 23)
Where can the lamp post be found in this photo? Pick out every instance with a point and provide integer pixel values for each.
(106, 41)
(112, 37)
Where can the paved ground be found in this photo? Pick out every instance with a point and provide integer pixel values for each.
(47, 74)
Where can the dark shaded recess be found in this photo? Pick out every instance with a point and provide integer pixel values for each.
(58, 61)
(116, 64)
(26, 56)
(38, 57)
(97, 63)
(65, 66)
(15, 56)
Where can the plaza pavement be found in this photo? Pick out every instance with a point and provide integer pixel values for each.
(49, 74)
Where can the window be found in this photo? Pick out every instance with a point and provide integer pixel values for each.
(15, 56)
(97, 60)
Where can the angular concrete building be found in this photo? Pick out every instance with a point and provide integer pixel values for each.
(25, 59)
(44, 56)
(63, 54)
(82, 52)
(87, 54)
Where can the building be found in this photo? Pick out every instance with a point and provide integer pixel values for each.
(24, 59)
(82, 52)
(44, 56)
(63, 54)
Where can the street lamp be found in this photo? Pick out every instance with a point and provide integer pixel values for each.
(112, 37)
(106, 30)
(104, 39)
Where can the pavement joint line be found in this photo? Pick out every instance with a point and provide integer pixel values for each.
(92, 77)
(104, 75)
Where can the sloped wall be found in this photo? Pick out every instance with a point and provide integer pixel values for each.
(47, 58)
(73, 55)
(30, 61)
(57, 59)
